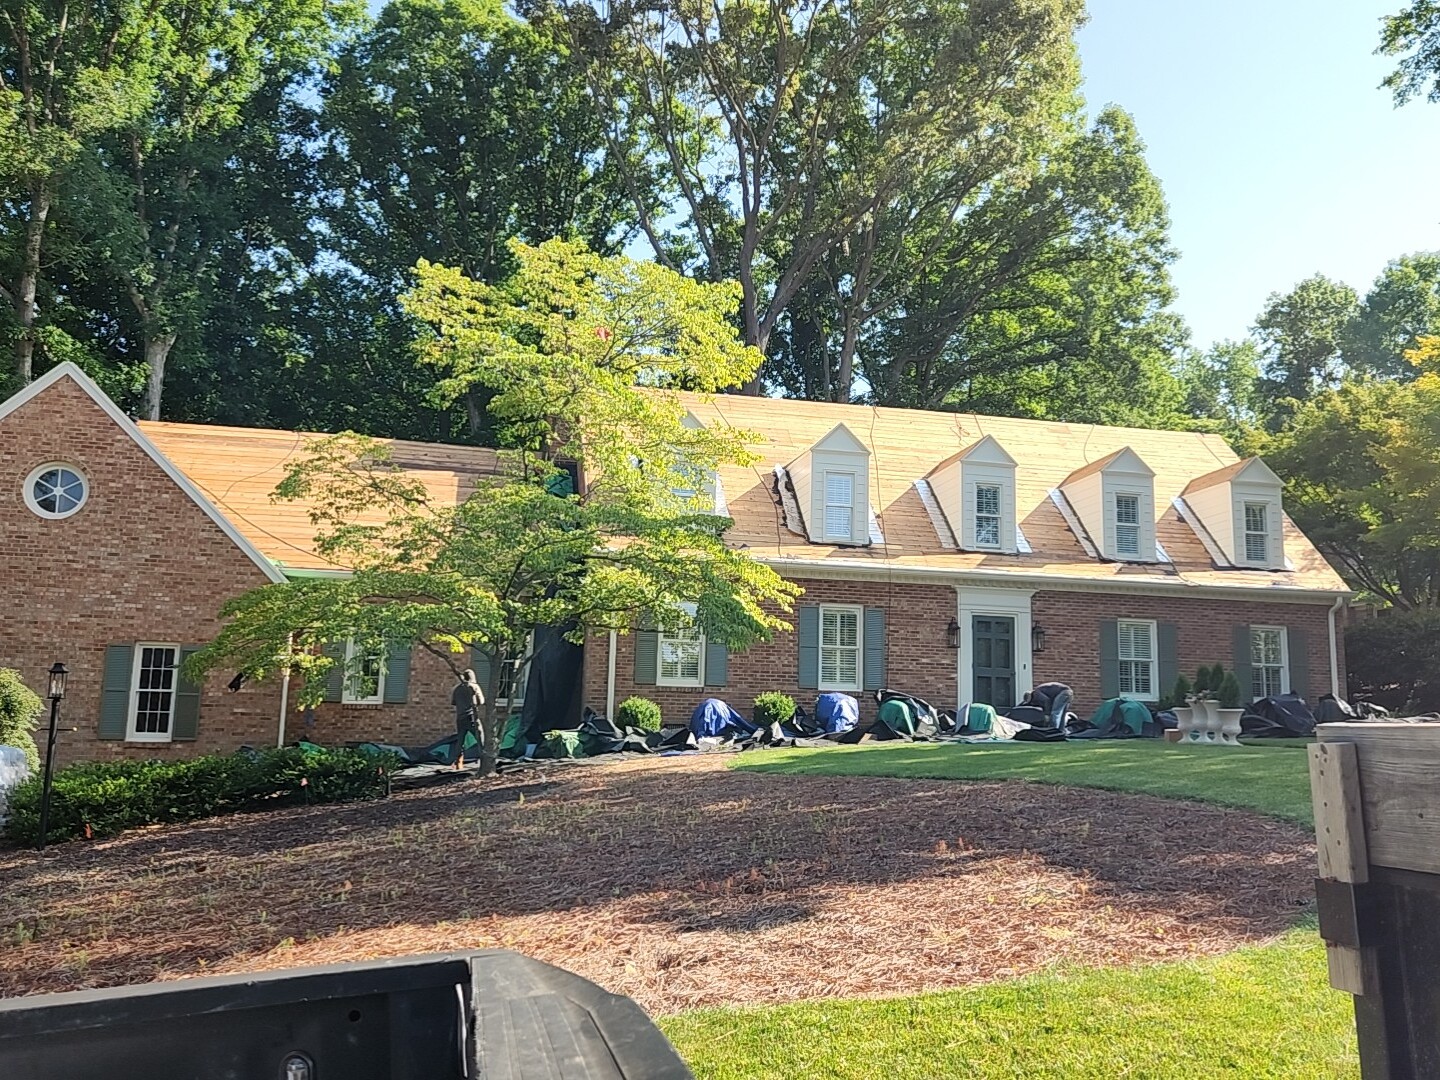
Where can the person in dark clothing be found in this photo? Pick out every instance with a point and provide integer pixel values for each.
(1053, 698)
(467, 699)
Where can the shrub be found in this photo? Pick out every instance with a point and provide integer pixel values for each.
(1229, 692)
(1204, 680)
(20, 709)
(1394, 659)
(106, 798)
(773, 708)
(1181, 692)
(638, 712)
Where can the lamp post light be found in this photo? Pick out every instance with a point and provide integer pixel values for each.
(58, 673)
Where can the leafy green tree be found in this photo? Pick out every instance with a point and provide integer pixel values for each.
(1222, 384)
(1303, 333)
(1402, 306)
(1414, 36)
(581, 355)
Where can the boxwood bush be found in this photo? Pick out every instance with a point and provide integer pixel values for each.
(105, 798)
(638, 712)
(20, 710)
(773, 708)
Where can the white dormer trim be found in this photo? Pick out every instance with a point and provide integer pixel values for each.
(832, 489)
(1229, 500)
(1114, 499)
(985, 468)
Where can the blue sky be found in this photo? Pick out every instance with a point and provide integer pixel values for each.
(1279, 155)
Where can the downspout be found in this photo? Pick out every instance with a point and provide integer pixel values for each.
(1335, 647)
(610, 679)
(285, 692)
(959, 658)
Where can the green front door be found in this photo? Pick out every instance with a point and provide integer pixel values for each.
(994, 666)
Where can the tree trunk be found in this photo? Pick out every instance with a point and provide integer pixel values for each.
(755, 334)
(489, 727)
(157, 351)
(845, 380)
(28, 282)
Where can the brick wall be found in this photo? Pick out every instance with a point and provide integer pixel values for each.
(919, 661)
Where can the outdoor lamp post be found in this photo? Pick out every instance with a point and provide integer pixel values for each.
(57, 691)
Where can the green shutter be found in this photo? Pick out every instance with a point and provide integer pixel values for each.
(1109, 659)
(1169, 640)
(397, 673)
(1240, 656)
(1299, 663)
(115, 691)
(647, 657)
(717, 664)
(187, 701)
(807, 622)
(335, 677)
(874, 673)
(480, 664)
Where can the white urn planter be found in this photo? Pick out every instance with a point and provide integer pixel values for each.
(1230, 726)
(1204, 723)
(1185, 720)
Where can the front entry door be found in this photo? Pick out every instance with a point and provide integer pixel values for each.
(994, 671)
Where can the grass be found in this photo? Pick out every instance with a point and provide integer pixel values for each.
(1274, 780)
(1263, 1013)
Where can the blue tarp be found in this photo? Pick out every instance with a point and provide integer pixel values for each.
(837, 713)
(713, 719)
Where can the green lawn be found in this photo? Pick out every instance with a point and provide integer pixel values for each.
(1272, 779)
(1263, 1013)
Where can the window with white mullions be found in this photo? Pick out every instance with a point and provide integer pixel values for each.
(515, 676)
(682, 653)
(839, 505)
(1269, 661)
(1127, 524)
(1137, 652)
(364, 676)
(1257, 532)
(839, 648)
(152, 693)
(987, 515)
(55, 491)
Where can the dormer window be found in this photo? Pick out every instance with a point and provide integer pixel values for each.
(1113, 503)
(1257, 532)
(1238, 511)
(1127, 525)
(976, 493)
(987, 515)
(839, 505)
(831, 482)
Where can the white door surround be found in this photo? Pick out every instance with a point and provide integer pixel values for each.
(1012, 603)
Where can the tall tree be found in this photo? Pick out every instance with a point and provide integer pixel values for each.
(1414, 36)
(789, 129)
(1303, 334)
(1402, 306)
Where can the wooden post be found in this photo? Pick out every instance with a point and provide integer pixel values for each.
(1376, 794)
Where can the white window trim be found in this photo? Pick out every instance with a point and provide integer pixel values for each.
(859, 682)
(661, 638)
(999, 515)
(1154, 660)
(521, 679)
(132, 713)
(29, 490)
(1138, 526)
(346, 697)
(849, 534)
(1285, 684)
(1246, 532)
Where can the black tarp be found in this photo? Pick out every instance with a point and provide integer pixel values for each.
(1283, 717)
(553, 686)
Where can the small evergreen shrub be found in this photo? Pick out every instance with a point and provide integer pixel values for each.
(1180, 694)
(20, 711)
(104, 798)
(1202, 680)
(1229, 692)
(773, 708)
(638, 712)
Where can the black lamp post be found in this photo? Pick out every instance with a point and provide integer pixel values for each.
(57, 691)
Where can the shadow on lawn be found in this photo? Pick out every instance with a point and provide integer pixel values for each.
(678, 846)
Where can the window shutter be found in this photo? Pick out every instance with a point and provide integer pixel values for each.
(1299, 662)
(186, 721)
(807, 622)
(1168, 638)
(115, 691)
(480, 664)
(397, 673)
(647, 657)
(1244, 671)
(335, 677)
(717, 664)
(874, 673)
(1109, 659)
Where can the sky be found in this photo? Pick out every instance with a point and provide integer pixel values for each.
(1278, 153)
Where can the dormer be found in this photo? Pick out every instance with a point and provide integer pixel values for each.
(694, 484)
(1114, 499)
(1240, 506)
(976, 490)
(832, 487)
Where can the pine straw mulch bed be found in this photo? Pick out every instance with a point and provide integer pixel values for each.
(679, 882)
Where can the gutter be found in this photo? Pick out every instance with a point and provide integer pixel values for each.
(1335, 647)
(610, 679)
(285, 693)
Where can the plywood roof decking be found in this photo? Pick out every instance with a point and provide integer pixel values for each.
(238, 468)
(908, 444)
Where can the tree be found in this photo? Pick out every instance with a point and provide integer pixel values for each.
(582, 356)
(788, 131)
(1303, 333)
(1414, 36)
(1222, 383)
(1402, 306)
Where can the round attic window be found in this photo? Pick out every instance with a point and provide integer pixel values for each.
(56, 490)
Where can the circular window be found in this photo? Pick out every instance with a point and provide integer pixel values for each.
(56, 491)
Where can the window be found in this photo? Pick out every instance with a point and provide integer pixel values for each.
(364, 676)
(987, 515)
(1127, 524)
(682, 654)
(839, 505)
(1137, 660)
(1269, 662)
(56, 491)
(152, 693)
(1257, 533)
(515, 676)
(839, 648)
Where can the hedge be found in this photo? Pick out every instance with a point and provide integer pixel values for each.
(103, 799)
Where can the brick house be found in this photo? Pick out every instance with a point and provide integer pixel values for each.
(952, 556)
